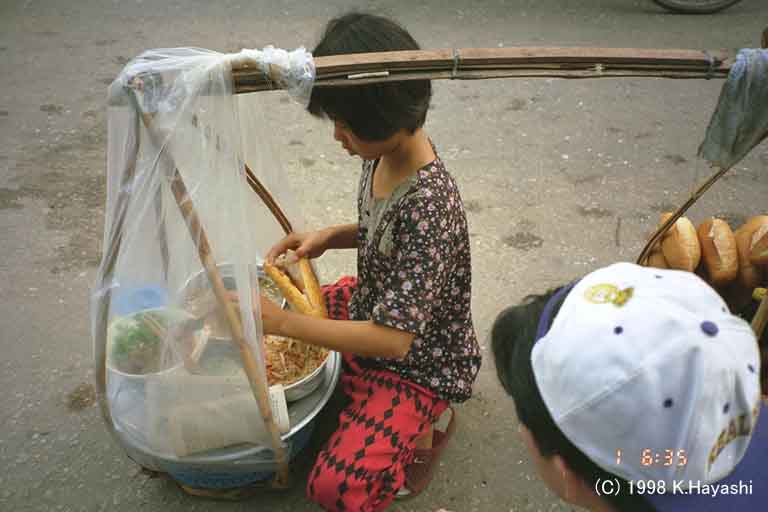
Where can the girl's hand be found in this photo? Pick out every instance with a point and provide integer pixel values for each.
(272, 317)
(271, 314)
(311, 244)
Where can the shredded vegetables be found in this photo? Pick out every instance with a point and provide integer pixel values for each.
(291, 360)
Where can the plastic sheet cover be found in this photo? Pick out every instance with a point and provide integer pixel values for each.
(170, 378)
(740, 121)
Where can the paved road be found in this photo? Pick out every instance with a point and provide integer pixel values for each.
(558, 177)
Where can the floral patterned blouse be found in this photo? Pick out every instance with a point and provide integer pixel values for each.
(414, 274)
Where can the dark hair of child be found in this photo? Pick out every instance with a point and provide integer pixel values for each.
(512, 338)
(373, 112)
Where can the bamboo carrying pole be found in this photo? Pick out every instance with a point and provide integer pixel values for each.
(200, 239)
(482, 63)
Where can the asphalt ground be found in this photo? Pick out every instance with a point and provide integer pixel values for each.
(558, 177)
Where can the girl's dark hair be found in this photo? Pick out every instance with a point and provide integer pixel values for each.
(373, 112)
(513, 336)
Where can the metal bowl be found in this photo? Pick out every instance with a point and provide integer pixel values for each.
(223, 346)
(298, 390)
(307, 384)
(199, 282)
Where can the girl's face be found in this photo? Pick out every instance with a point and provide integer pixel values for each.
(368, 150)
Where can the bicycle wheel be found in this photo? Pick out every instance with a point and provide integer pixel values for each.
(696, 6)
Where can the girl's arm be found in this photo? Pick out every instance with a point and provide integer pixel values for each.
(343, 236)
(363, 338)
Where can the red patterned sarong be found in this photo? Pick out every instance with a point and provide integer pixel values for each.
(363, 464)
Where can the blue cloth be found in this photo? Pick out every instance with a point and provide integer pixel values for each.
(752, 470)
(740, 121)
(546, 316)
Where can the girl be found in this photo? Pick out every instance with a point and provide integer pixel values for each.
(404, 325)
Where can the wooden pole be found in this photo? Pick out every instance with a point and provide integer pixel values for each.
(759, 322)
(200, 239)
(268, 200)
(162, 235)
(112, 246)
(641, 260)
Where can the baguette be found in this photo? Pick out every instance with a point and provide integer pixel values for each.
(680, 245)
(750, 275)
(718, 250)
(288, 263)
(314, 292)
(289, 290)
(758, 254)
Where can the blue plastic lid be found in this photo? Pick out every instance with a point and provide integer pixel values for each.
(127, 300)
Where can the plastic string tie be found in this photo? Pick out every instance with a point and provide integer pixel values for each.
(456, 58)
(711, 69)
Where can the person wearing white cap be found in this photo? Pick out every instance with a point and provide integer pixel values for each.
(637, 390)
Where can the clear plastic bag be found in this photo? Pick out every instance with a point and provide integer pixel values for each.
(184, 230)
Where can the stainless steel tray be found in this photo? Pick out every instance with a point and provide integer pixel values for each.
(301, 413)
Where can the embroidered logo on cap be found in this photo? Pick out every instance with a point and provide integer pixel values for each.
(608, 294)
(737, 427)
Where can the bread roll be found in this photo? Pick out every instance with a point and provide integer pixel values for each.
(750, 276)
(664, 218)
(656, 258)
(680, 245)
(718, 250)
(759, 247)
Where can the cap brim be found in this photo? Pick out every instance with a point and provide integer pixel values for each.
(752, 472)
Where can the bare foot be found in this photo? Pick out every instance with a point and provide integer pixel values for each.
(424, 442)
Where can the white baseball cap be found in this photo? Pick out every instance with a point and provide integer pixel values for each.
(648, 373)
